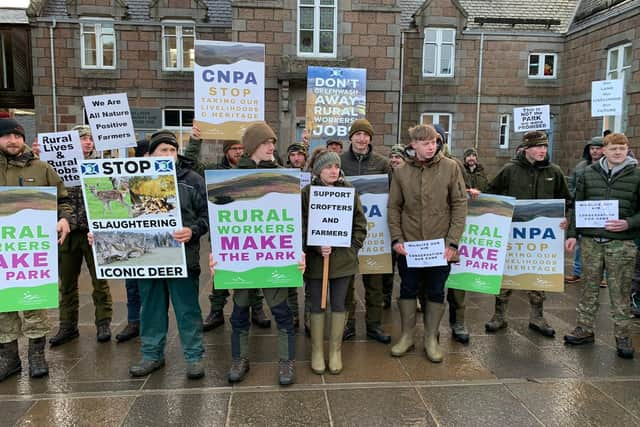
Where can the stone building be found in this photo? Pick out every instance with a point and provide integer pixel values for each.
(462, 63)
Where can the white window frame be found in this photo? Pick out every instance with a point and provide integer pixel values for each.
(504, 131)
(438, 58)
(541, 61)
(98, 34)
(316, 6)
(436, 120)
(179, 25)
(619, 122)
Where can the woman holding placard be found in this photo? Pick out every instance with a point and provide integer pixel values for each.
(342, 265)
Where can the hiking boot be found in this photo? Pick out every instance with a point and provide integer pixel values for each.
(349, 330)
(145, 367)
(538, 323)
(129, 332)
(9, 360)
(195, 370)
(103, 330)
(259, 318)
(375, 332)
(68, 331)
(239, 369)
(459, 333)
(571, 279)
(498, 321)
(624, 347)
(213, 320)
(286, 372)
(38, 367)
(579, 336)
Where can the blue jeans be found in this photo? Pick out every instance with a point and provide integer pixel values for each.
(577, 263)
(133, 300)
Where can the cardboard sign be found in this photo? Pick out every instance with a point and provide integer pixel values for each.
(229, 88)
(256, 227)
(336, 97)
(526, 119)
(110, 121)
(535, 253)
(28, 248)
(425, 253)
(375, 255)
(330, 216)
(133, 207)
(606, 98)
(63, 152)
(483, 245)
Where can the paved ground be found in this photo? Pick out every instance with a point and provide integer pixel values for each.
(512, 378)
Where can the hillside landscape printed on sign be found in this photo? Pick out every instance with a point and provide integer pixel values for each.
(251, 186)
(14, 200)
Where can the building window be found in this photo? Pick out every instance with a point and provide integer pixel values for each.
(543, 65)
(317, 22)
(6, 61)
(179, 120)
(438, 53)
(503, 136)
(443, 119)
(619, 67)
(98, 44)
(178, 46)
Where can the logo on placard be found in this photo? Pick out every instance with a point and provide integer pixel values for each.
(163, 165)
(90, 169)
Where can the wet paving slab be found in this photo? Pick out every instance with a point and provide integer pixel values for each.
(513, 377)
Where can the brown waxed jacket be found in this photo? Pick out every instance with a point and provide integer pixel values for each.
(427, 201)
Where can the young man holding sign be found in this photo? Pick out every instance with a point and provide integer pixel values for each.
(614, 177)
(19, 167)
(427, 201)
(529, 176)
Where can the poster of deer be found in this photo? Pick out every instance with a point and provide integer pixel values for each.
(133, 208)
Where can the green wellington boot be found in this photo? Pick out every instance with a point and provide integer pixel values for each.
(408, 308)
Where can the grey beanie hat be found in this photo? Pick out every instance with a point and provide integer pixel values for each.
(324, 160)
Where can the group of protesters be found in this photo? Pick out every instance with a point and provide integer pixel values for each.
(428, 198)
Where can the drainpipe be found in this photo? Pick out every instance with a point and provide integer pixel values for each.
(53, 78)
(400, 97)
(479, 91)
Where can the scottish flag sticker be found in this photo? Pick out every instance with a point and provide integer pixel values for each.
(90, 169)
(163, 165)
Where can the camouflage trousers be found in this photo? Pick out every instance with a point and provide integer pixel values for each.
(33, 324)
(536, 298)
(618, 258)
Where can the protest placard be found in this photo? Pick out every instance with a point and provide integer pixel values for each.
(375, 255)
(483, 245)
(330, 216)
(133, 207)
(595, 213)
(228, 88)
(28, 248)
(425, 253)
(526, 119)
(63, 152)
(335, 98)
(256, 227)
(305, 179)
(606, 98)
(535, 253)
(110, 121)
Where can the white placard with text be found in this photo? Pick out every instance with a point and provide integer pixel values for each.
(330, 216)
(595, 213)
(425, 253)
(110, 121)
